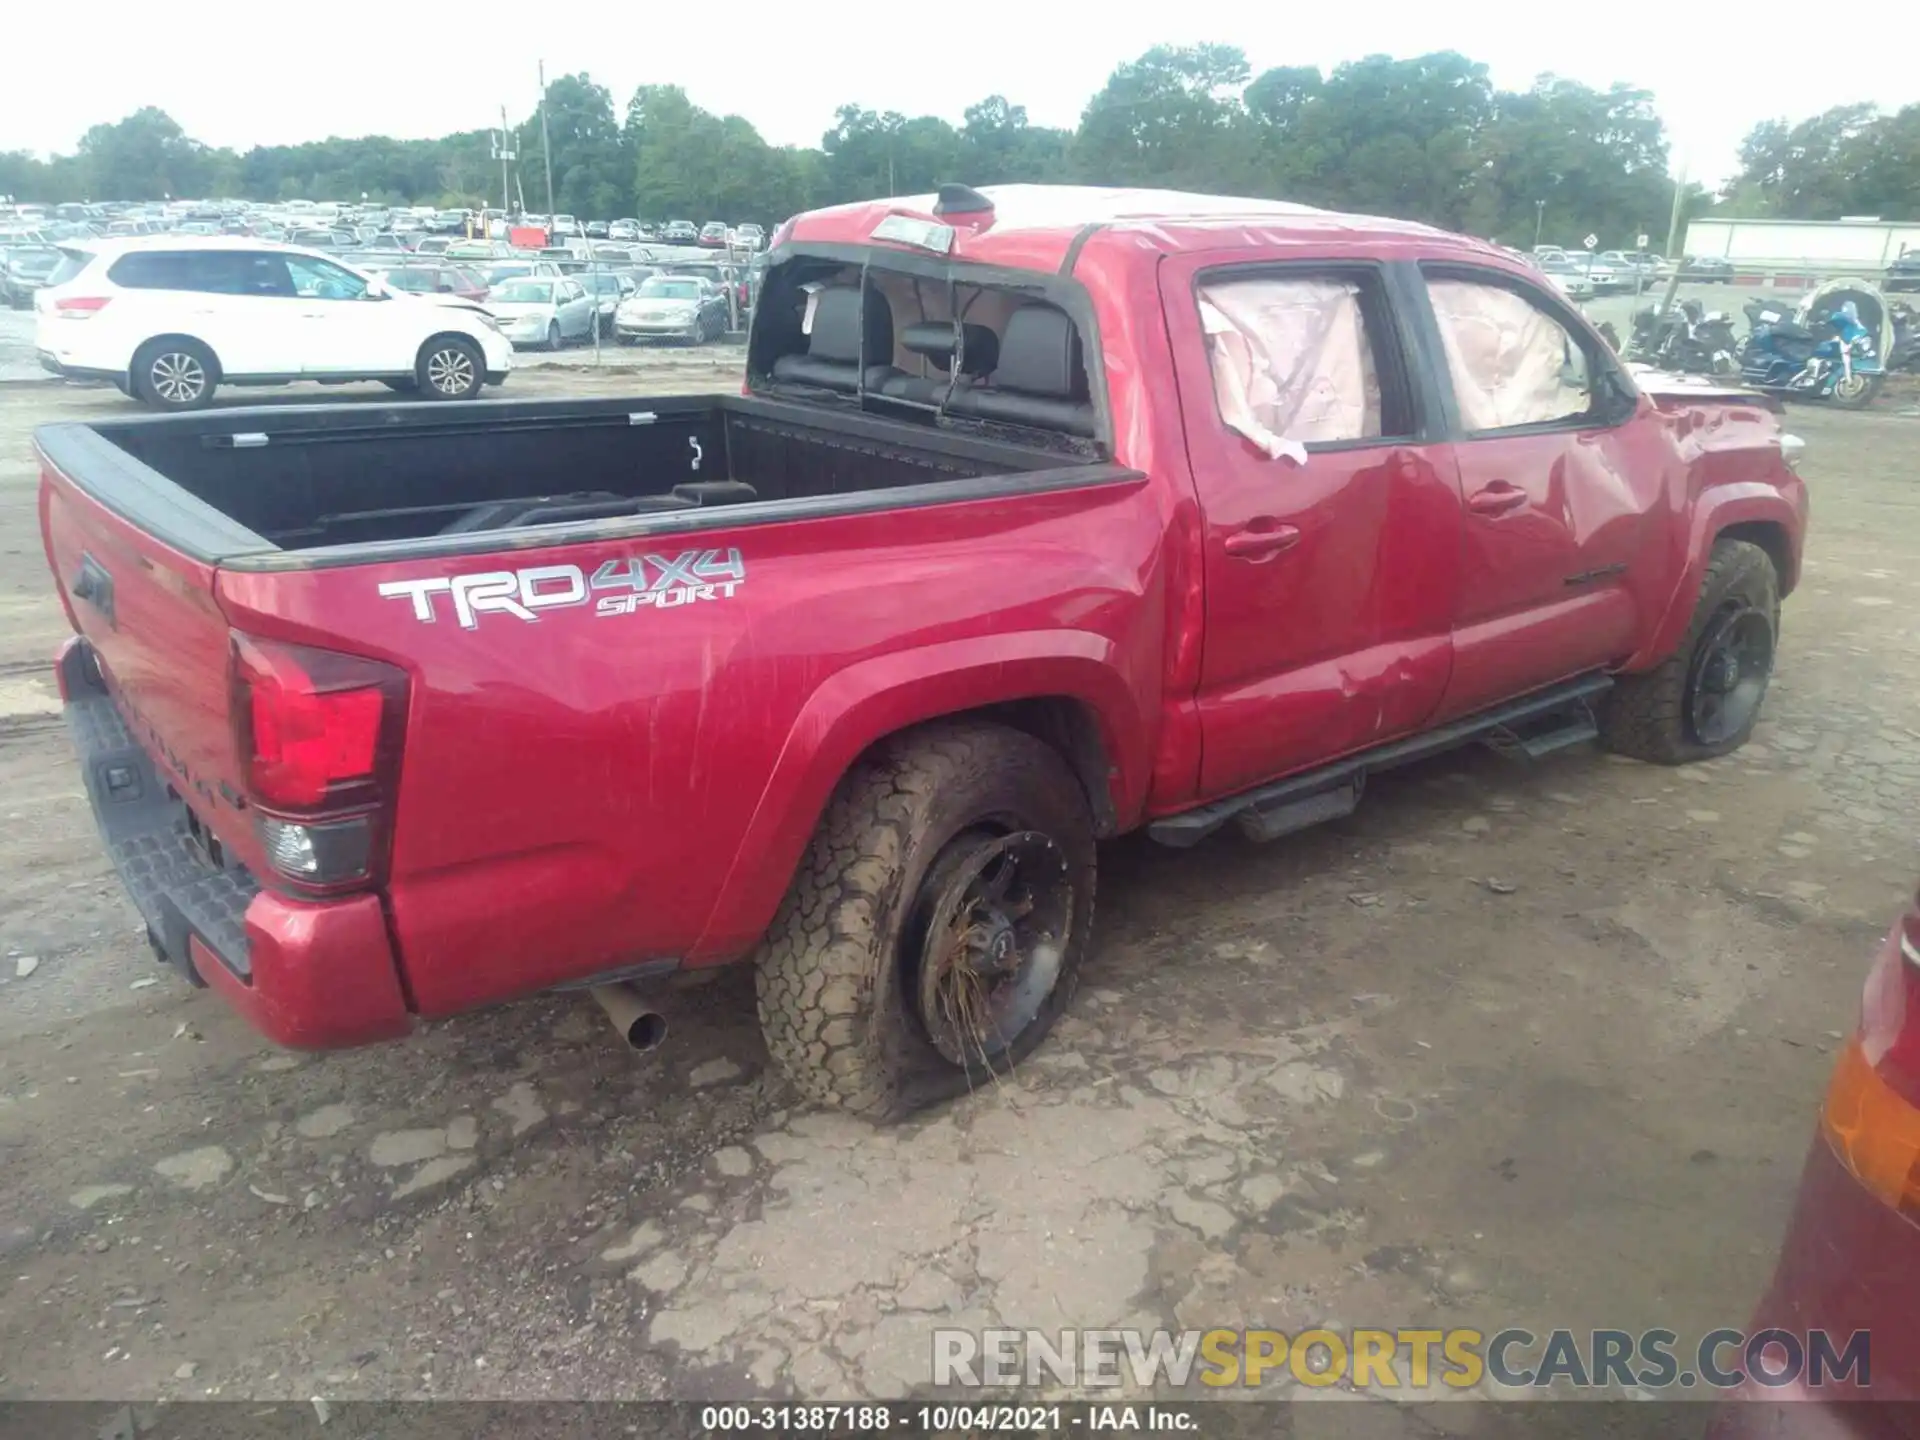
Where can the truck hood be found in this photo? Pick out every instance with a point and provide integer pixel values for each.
(1666, 384)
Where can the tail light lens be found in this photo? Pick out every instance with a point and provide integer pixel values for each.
(319, 736)
(80, 307)
(1872, 1112)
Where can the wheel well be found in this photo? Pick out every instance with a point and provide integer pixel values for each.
(1771, 538)
(175, 337)
(1066, 725)
(439, 335)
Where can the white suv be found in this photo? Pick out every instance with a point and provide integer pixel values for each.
(168, 318)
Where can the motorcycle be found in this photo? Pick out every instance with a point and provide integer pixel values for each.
(1903, 356)
(1684, 338)
(1828, 350)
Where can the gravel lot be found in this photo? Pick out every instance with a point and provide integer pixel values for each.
(1340, 1078)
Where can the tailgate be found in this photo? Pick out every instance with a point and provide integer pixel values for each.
(148, 612)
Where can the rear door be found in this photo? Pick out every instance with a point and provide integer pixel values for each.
(234, 301)
(1332, 523)
(1558, 498)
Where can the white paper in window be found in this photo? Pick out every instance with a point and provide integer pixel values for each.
(1292, 363)
(1512, 363)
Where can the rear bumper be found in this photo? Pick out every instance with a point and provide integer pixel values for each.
(1847, 1264)
(53, 365)
(311, 976)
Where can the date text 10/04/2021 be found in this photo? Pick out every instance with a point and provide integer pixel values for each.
(910, 1419)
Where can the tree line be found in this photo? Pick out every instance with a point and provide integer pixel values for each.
(1428, 138)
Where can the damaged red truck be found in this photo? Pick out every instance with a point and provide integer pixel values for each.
(1045, 515)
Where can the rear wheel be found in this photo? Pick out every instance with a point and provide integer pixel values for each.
(554, 339)
(450, 367)
(935, 929)
(1705, 699)
(173, 374)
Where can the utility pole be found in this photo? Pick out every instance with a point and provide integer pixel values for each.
(1679, 200)
(546, 142)
(1539, 221)
(504, 150)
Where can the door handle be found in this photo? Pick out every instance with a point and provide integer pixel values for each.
(1496, 499)
(1262, 544)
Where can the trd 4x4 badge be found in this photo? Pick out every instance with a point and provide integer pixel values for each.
(619, 587)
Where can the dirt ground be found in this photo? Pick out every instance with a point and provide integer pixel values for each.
(1345, 1078)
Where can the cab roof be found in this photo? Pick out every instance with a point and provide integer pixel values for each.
(1035, 226)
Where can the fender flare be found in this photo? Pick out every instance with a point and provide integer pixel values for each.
(1720, 510)
(858, 706)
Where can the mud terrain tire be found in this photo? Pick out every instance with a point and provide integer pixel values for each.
(839, 973)
(1654, 716)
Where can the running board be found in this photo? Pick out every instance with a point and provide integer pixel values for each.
(1331, 791)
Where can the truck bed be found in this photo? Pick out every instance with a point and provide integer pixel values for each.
(253, 484)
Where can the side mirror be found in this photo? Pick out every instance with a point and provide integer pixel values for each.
(376, 290)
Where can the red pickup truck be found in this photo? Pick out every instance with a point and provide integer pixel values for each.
(1044, 515)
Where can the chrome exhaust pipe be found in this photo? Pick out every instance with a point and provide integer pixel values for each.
(635, 1015)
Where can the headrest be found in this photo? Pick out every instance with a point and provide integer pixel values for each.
(938, 339)
(836, 326)
(1041, 355)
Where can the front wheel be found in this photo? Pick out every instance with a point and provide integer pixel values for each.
(173, 374)
(936, 926)
(1855, 391)
(450, 368)
(1705, 698)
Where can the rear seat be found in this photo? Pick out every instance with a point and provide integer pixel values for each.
(937, 340)
(832, 361)
(1040, 379)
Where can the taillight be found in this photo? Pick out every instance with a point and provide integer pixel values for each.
(319, 736)
(80, 307)
(1872, 1112)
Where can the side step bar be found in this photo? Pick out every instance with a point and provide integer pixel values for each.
(1532, 726)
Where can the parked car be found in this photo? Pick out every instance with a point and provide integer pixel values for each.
(564, 225)
(609, 288)
(624, 230)
(446, 284)
(451, 223)
(170, 319)
(596, 230)
(502, 271)
(387, 241)
(1846, 1266)
(680, 232)
(713, 234)
(1565, 275)
(432, 245)
(899, 766)
(749, 236)
(542, 310)
(672, 307)
(1627, 269)
(1904, 272)
(23, 270)
(1707, 270)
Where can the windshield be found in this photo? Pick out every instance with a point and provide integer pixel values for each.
(499, 273)
(33, 259)
(661, 288)
(524, 292)
(416, 280)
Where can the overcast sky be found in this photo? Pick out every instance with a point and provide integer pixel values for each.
(243, 72)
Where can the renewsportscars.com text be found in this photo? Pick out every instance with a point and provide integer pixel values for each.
(1382, 1359)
